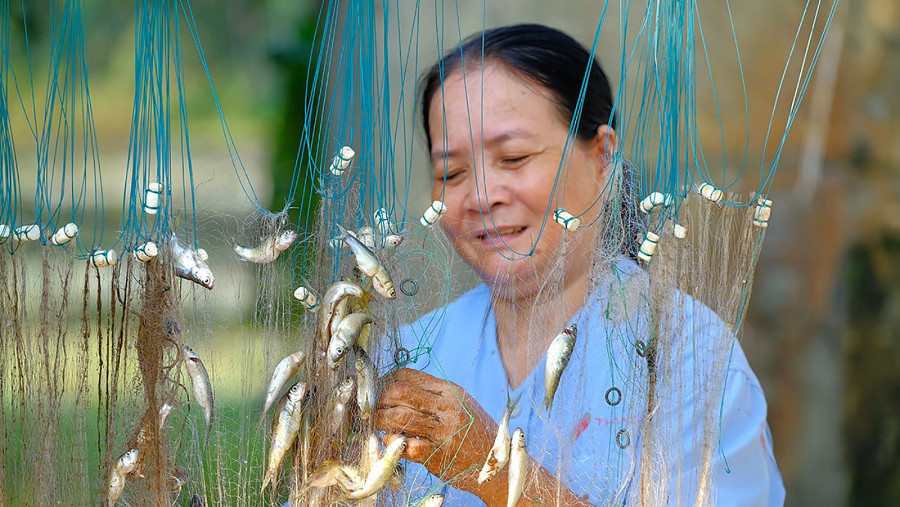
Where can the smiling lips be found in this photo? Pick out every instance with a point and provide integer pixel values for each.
(504, 234)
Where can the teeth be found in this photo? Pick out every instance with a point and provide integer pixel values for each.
(501, 232)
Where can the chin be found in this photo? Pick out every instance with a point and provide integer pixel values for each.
(509, 278)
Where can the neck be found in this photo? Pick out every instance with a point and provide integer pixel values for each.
(527, 324)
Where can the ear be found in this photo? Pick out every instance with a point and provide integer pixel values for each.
(606, 142)
(603, 146)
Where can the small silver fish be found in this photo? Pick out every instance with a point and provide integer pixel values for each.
(369, 454)
(518, 468)
(128, 461)
(341, 310)
(335, 299)
(499, 453)
(177, 479)
(365, 380)
(337, 425)
(115, 488)
(269, 250)
(287, 424)
(333, 473)
(435, 500)
(381, 471)
(396, 481)
(164, 410)
(190, 266)
(123, 466)
(393, 241)
(285, 369)
(352, 305)
(348, 332)
(367, 236)
(369, 265)
(558, 354)
(201, 385)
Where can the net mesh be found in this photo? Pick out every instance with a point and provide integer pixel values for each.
(98, 361)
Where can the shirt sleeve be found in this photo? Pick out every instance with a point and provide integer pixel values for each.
(724, 456)
(744, 470)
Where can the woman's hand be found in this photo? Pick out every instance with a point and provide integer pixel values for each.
(451, 433)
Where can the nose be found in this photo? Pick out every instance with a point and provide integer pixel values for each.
(490, 189)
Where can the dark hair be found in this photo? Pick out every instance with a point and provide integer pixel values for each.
(545, 55)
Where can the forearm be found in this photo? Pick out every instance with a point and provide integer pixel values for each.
(541, 488)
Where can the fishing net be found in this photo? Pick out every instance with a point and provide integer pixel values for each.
(134, 364)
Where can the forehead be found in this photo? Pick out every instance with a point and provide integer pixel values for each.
(502, 98)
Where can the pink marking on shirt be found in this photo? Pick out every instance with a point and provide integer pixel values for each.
(582, 425)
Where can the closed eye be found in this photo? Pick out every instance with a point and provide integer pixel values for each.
(448, 176)
(515, 160)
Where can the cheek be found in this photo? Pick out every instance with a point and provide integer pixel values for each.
(582, 187)
(451, 195)
(534, 187)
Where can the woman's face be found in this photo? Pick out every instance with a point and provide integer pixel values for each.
(497, 142)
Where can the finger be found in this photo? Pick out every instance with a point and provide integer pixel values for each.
(403, 374)
(425, 393)
(402, 393)
(406, 420)
(421, 380)
(417, 449)
(405, 394)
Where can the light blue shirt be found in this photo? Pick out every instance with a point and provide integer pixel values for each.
(594, 437)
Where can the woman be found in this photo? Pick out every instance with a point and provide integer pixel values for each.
(497, 132)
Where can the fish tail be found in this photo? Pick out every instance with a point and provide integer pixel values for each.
(266, 406)
(262, 419)
(266, 480)
(512, 404)
(548, 402)
(208, 428)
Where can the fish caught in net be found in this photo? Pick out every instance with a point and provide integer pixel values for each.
(541, 302)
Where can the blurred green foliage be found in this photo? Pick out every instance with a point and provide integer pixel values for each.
(295, 64)
(872, 353)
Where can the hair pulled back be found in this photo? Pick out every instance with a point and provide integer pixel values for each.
(544, 55)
